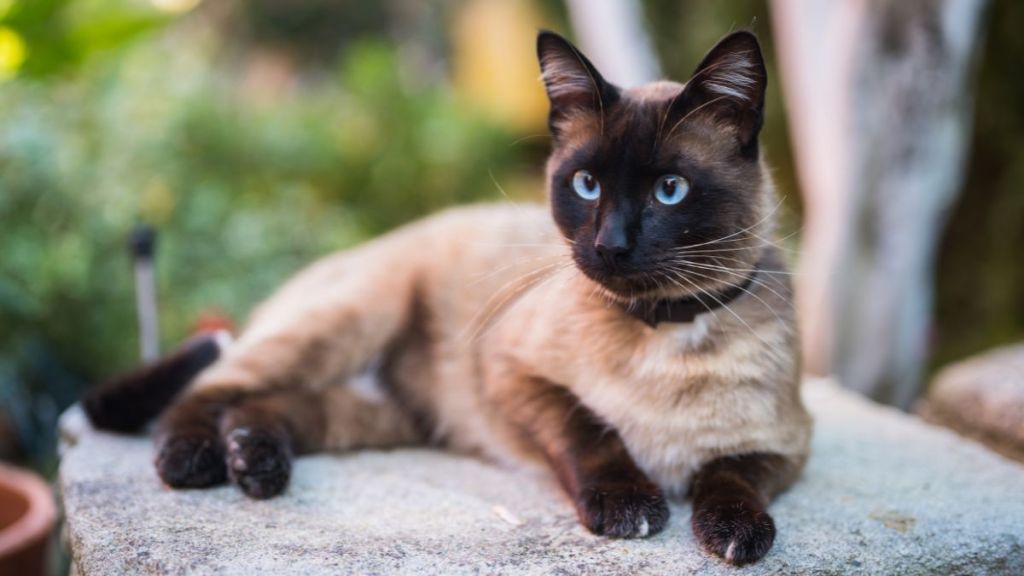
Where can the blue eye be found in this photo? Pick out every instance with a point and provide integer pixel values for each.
(586, 185)
(671, 189)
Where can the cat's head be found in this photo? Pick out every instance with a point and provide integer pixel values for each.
(659, 189)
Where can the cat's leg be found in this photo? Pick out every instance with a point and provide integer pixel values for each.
(263, 432)
(194, 437)
(613, 497)
(252, 437)
(730, 497)
(190, 453)
(321, 329)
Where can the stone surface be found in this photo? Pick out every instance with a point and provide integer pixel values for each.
(883, 493)
(982, 397)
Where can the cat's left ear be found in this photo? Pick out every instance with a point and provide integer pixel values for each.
(730, 83)
(572, 83)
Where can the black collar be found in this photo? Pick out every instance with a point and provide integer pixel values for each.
(686, 309)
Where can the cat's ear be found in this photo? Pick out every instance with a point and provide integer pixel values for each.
(572, 83)
(730, 83)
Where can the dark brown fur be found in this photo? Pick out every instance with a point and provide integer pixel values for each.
(613, 497)
(126, 403)
(730, 500)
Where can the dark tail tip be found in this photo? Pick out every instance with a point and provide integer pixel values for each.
(128, 402)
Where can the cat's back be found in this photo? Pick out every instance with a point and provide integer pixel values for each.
(483, 256)
(452, 261)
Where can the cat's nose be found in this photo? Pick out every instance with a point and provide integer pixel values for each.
(612, 242)
(612, 254)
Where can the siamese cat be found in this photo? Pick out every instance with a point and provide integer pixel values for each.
(637, 337)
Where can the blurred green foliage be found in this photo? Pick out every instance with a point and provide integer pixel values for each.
(64, 34)
(244, 185)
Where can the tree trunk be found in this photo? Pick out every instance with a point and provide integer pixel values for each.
(612, 34)
(879, 109)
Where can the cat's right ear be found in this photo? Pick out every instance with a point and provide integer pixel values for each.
(572, 83)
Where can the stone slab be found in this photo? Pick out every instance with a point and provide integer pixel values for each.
(982, 397)
(884, 493)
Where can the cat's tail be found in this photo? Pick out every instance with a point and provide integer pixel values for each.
(128, 402)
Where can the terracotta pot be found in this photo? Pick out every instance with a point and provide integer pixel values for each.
(27, 516)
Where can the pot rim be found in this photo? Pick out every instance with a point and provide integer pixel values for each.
(40, 517)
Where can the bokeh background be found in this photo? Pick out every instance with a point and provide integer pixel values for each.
(255, 136)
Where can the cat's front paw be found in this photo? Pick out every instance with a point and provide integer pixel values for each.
(623, 509)
(260, 462)
(734, 529)
(191, 461)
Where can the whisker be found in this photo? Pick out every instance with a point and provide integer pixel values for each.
(738, 232)
(519, 141)
(661, 123)
(749, 235)
(520, 245)
(728, 309)
(733, 272)
(741, 287)
(487, 308)
(487, 325)
(696, 76)
(503, 193)
(481, 276)
(764, 244)
(691, 113)
(729, 268)
(675, 280)
(597, 88)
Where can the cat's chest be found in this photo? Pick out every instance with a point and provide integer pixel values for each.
(659, 399)
(670, 353)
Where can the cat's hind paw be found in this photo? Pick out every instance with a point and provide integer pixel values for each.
(258, 461)
(193, 461)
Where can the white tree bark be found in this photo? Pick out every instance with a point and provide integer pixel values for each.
(611, 33)
(879, 106)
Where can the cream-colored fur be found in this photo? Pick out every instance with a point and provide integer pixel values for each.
(463, 304)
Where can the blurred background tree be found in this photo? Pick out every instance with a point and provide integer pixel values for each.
(258, 135)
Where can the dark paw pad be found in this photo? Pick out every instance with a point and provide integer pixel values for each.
(623, 510)
(735, 530)
(259, 462)
(191, 462)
